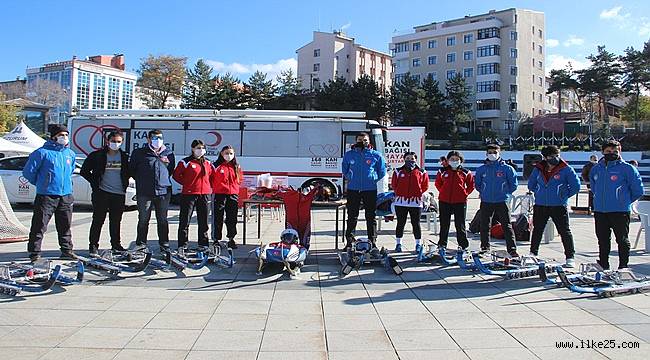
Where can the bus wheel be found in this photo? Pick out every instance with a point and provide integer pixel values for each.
(328, 192)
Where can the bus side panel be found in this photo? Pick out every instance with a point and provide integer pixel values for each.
(87, 135)
(214, 140)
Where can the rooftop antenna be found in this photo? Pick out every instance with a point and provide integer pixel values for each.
(318, 19)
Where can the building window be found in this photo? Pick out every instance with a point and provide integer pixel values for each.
(489, 50)
(416, 77)
(533, 96)
(467, 55)
(540, 81)
(468, 72)
(399, 47)
(83, 90)
(533, 79)
(539, 48)
(467, 38)
(513, 70)
(416, 46)
(399, 78)
(451, 57)
(488, 33)
(540, 64)
(433, 44)
(533, 33)
(513, 35)
(127, 94)
(433, 75)
(113, 93)
(433, 60)
(488, 86)
(533, 46)
(539, 33)
(316, 52)
(513, 53)
(513, 88)
(485, 69)
(451, 74)
(487, 124)
(488, 104)
(540, 97)
(317, 67)
(533, 62)
(99, 88)
(416, 62)
(65, 79)
(451, 41)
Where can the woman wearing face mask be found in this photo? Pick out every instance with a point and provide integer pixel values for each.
(409, 183)
(225, 181)
(194, 173)
(454, 184)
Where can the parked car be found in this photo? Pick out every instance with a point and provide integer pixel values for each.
(19, 190)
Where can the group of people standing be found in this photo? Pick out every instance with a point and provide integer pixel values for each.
(108, 171)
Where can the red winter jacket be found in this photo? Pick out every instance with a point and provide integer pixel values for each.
(409, 185)
(224, 179)
(454, 185)
(194, 175)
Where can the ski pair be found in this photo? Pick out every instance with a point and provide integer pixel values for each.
(503, 264)
(460, 257)
(592, 279)
(117, 262)
(362, 251)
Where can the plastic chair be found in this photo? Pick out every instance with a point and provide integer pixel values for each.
(643, 209)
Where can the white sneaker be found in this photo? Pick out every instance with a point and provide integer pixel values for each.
(530, 254)
(570, 263)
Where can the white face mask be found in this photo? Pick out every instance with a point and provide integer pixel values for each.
(228, 157)
(493, 157)
(114, 145)
(454, 164)
(62, 140)
(157, 143)
(198, 152)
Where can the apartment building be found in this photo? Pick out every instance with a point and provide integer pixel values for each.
(332, 55)
(569, 100)
(501, 54)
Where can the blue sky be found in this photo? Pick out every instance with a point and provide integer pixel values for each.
(242, 36)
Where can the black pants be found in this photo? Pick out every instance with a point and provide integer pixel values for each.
(113, 204)
(44, 207)
(591, 198)
(501, 213)
(620, 223)
(188, 204)
(224, 205)
(560, 216)
(459, 211)
(369, 199)
(146, 204)
(402, 212)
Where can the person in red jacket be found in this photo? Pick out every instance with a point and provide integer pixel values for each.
(226, 179)
(194, 173)
(454, 184)
(409, 182)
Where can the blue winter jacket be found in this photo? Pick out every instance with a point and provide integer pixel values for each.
(363, 169)
(152, 171)
(495, 181)
(616, 185)
(50, 168)
(553, 188)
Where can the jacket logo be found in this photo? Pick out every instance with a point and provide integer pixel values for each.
(445, 175)
(401, 175)
(351, 162)
(614, 177)
(556, 177)
(499, 173)
(368, 162)
(193, 166)
(222, 171)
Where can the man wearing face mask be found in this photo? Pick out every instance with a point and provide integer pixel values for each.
(553, 182)
(107, 171)
(593, 160)
(50, 169)
(495, 181)
(616, 185)
(151, 166)
(362, 167)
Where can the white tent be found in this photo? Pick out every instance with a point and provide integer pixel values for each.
(7, 148)
(24, 136)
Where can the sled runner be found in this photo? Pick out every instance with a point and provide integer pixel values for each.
(116, 262)
(363, 252)
(14, 280)
(503, 264)
(443, 255)
(592, 279)
(41, 268)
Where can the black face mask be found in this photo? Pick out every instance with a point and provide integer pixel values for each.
(553, 161)
(611, 157)
(360, 144)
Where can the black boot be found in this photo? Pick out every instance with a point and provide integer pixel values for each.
(232, 244)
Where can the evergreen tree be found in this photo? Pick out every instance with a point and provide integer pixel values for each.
(334, 96)
(227, 93)
(458, 104)
(290, 95)
(408, 102)
(636, 77)
(262, 90)
(199, 87)
(435, 115)
(602, 78)
(561, 81)
(366, 96)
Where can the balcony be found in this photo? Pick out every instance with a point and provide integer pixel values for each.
(484, 114)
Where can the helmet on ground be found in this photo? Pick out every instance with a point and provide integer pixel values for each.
(289, 237)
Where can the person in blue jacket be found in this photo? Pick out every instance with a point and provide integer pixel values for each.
(553, 182)
(616, 185)
(152, 166)
(50, 169)
(362, 167)
(495, 181)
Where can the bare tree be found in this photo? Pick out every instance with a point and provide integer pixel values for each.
(47, 92)
(14, 90)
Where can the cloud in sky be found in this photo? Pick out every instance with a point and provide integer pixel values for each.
(626, 21)
(613, 13)
(245, 70)
(556, 61)
(551, 43)
(573, 41)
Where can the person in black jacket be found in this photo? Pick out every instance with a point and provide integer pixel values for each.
(107, 171)
(152, 166)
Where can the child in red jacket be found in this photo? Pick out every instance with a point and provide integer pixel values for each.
(454, 184)
(409, 182)
(226, 179)
(194, 173)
